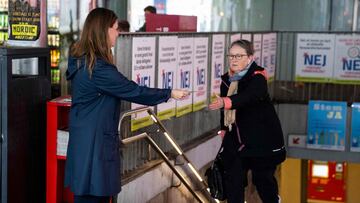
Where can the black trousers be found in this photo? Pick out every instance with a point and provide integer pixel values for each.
(262, 177)
(91, 199)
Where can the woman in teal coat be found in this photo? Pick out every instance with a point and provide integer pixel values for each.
(93, 159)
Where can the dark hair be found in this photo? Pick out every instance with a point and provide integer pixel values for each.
(123, 26)
(94, 40)
(245, 44)
(151, 9)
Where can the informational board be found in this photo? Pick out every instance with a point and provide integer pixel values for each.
(347, 59)
(246, 37)
(257, 48)
(217, 63)
(235, 37)
(143, 73)
(272, 67)
(200, 73)
(167, 65)
(326, 125)
(266, 52)
(314, 57)
(185, 74)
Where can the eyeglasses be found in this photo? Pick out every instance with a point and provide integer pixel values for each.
(236, 57)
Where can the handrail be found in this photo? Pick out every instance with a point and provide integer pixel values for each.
(160, 152)
(164, 157)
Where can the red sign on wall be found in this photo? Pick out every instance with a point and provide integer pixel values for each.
(326, 181)
(170, 23)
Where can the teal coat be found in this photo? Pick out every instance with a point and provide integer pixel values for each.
(93, 156)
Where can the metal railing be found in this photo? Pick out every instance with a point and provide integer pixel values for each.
(145, 136)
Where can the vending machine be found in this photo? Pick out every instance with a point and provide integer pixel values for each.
(25, 88)
(326, 181)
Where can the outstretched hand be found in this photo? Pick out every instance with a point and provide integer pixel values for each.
(179, 94)
(218, 103)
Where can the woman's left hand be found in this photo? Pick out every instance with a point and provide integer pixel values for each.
(218, 103)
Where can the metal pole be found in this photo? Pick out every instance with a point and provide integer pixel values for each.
(164, 157)
(355, 15)
(176, 146)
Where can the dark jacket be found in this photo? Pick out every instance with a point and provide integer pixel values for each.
(142, 28)
(258, 124)
(93, 156)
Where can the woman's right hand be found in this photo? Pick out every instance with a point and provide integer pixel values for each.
(179, 94)
(221, 133)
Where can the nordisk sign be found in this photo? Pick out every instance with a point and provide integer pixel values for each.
(24, 31)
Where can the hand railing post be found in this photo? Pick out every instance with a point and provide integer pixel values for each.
(172, 141)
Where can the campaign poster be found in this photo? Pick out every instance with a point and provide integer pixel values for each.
(185, 74)
(266, 52)
(272, 67)
(217, 63)
(246, 37)
(167, 63)
(347, 59)
(314, 57)
(235, 37)
(326, 125)
(200, 72)
(355, 127)
(143, 73)
(257, 48)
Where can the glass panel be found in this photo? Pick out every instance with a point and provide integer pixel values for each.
(358, 17)
(199, 8)
(251, 15)
(25, 66)
(342, 15)
(136, 13)
(305, 15)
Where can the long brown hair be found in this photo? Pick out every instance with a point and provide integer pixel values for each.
(94, 40)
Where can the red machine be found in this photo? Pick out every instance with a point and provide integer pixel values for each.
(326, 181)
(170, 23)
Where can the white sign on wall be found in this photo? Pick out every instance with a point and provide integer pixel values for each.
(235, 37)
(185, 74)
(257, 48)
(273, 45)
(217, 63)
(246, 37)
(200, 72)
(268, 55)
(347, 59)
(314, 57)
(143, 73)
(266, 52)
(167, 63)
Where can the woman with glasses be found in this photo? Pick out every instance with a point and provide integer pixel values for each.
(250, 127)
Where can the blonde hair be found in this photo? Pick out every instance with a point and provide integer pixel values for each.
(94, 40)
